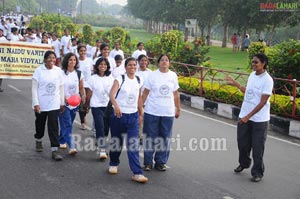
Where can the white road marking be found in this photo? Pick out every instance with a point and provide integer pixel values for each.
(16, 89)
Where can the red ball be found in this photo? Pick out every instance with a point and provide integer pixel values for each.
(74, 100)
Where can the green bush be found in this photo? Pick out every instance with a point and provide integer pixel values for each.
(88, 34)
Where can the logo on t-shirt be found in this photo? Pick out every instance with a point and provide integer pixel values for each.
(250, 94)
(72, 89)
(164, 90)
(130, 99)
(50, 88)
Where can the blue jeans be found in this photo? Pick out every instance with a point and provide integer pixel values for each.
(128, 124)
(158, 131)
(66, 120)
(101, 125)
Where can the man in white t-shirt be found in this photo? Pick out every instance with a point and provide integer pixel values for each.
(65, 43)
(116, 51)
(56, 45)
(139, 51)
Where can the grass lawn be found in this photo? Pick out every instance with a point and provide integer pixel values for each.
(136, 35)
(223, 58)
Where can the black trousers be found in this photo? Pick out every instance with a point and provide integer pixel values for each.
(40, 123)
(252, 136)
(82, 112)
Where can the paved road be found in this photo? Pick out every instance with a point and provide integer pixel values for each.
(194, 173)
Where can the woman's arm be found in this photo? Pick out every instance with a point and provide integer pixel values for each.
(112, 95)
(177, 103)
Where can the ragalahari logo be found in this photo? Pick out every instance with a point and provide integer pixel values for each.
(279, 7)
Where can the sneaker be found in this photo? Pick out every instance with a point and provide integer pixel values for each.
(139, 178)
(161, 167)
(239, 169)
(63, 146)
(113, 169)
(56, 156)
(38, 146)
(102, 155)
(256, 178)
(72, 152)
(147, 167)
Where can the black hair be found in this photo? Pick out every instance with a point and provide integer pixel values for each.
(103, 46)
(141, 57)
(13, 29)
(118, 57)
(48, 53)
(158, 60)
(79, 47)
(79, 42)
(262, 58)
(65, 61)
(140, 43)
(101, 59)
(128, 60)
(73, 39)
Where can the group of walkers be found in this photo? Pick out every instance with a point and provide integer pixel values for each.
(238, 43)
(144, 103)
(138, 97)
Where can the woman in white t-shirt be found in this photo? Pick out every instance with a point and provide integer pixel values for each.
(73, 84)
(143, 72)
(125, 96)
(47, 100)
(99, 86)
(139, 51)
(254, 117)
(15, 36)
(163, 104)
(105, 49)
(86, 67)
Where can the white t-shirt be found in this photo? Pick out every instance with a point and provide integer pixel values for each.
(73, 49)
(112, 62)
(56, 45)
(3, 38)
(160, 101)
(71, 84)
(49, 81)
(257, 85)
(86, 67)
(100, 86)
(30, 38)
(127, 98)
(13, 37)
(89, 51)
(138, 52)
(120, 70)
(143, 76)
(64, 42)
(115, 52)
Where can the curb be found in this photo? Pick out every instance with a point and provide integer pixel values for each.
(278, 124)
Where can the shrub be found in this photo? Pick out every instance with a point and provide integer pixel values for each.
(88, 34)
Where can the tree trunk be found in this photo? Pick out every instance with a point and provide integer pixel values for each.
(269, 41)
(208, 34)
(224, 42)
(202, 31)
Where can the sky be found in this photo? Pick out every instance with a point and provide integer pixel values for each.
(121, 2)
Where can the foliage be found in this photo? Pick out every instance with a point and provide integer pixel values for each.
(88, 34)
(58, 29)
(49, 26)
(280, 104)
(118, 35)
(72, 28)
(37, 23)
(169, 44)
(193, 53)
